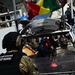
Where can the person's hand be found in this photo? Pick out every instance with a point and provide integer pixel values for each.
(52, 47)
(7, 10)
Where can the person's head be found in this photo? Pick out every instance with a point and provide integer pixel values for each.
(63, 35)
(1, 4)
(12, 41)
(33, 1)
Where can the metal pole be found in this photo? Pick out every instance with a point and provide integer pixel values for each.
(14, 6)
(72, 14)
(25, 5)
(63, 18)
(72, 9)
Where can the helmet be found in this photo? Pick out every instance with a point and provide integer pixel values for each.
(24, 20)
(10, 40)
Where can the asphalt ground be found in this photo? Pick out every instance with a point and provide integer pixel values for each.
(65, 60)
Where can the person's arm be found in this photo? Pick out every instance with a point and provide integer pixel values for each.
(6, 9)
(27, 66)
(23, 66)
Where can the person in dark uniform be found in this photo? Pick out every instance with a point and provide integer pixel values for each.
(14, 61)
(64, 41)
(68, 16)
(4, 9)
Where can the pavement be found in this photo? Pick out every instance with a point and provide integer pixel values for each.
(65, 60)
(69, 50)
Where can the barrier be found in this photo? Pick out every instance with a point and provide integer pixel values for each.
(12, 16)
